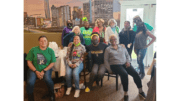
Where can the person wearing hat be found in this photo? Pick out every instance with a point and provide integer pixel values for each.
(97, 53)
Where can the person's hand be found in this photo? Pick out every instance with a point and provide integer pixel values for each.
(123, 45)
(146, 46)
(70, 44)
(129, 45)
(42, 74)
(74, 65)
(71, 65)
(38, 74)
(127, 64)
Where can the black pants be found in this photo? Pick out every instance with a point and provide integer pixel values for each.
(123, 72)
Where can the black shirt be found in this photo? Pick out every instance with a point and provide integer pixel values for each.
(97, 52)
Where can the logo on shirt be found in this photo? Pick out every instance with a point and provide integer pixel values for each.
(41, 60)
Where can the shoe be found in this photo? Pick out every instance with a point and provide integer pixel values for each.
(68, 91)
(76, 95)
(126, 98)
(87, 89)
(31, 97)
(142, 76)
(52, 96)
(142, 95)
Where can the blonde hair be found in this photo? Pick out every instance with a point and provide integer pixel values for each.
(113, 35)
(78, 29)
(99, 19)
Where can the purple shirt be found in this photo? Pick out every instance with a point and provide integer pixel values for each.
(64, 33)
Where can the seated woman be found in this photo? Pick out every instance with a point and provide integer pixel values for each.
(69, 37)
(40, 60)
(117, 59)
(75, 55)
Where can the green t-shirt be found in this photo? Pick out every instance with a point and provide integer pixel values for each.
(86, 35)
(41, 58)
(150, 28)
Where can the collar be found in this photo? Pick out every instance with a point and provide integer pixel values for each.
(119, 46)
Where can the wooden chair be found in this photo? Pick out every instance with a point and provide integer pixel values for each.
(111, 75)
(84, 68)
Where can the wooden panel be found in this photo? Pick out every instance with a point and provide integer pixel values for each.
(31, 40)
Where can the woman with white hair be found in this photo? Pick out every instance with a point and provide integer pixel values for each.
(117, 60)
(111, 29)
(69, 37)
(100, 29)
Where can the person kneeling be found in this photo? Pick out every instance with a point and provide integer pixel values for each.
(74, 60)
(117, 59)
(97, 53)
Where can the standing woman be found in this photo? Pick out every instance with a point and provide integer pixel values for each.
(111, 29)
(74, 59)
(86, 31)
(40, 60)
(69, 37)
(117, 59)
(127, 36)
(100, 29)
(67, 29)
(140, 45)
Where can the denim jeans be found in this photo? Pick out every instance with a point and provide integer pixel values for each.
(140, 57)
(31, 79)
(75, 73)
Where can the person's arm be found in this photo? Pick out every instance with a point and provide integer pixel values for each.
(106, 60)
(62, 35)
(81, 58)
(66, 39)
(68, 54)
(152, 36)
(83, 40)
(128, 60)
(31, 66)
(106, 36)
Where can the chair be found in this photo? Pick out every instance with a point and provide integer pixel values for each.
(84, 68)
(111, 75)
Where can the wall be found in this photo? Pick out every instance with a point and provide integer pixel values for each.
(31, 40)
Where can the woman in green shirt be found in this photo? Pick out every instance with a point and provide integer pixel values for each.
(40, 60)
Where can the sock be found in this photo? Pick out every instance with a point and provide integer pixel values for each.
(125, 93)
(140, 90)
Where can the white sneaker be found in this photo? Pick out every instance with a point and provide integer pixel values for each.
(77, 92)
(68, 91)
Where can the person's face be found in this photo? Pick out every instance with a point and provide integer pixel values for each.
(126, 24)
(95, 40)
(113, 40)
(76, 40)
(112, 23)
(69, 21)
(99, 23)
(43, 42)
(86, 24)
(76, 31)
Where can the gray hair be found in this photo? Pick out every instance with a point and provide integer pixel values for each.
(77, 28)
(113, 21)
(113, 35)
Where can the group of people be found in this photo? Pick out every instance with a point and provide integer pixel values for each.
(110, 50)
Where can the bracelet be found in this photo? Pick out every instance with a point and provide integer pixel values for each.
(35, 71)
(44, 70)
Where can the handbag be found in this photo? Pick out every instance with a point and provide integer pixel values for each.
(59, 90)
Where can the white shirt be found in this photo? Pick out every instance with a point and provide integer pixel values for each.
(108, 33)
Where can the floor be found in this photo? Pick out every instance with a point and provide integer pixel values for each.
(106, 93)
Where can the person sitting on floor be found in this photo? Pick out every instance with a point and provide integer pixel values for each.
(117, 60)
(40, 60)
(75, 55)
(97, 53)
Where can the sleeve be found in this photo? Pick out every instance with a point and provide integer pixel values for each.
(120, 41)
(83, 40)
(106, 60)
(106, 35)
(127, 56)
(53, 57)
(62, 36)
(30, 55)
(68, 54)
(66, 39)
(132, 37)
(82, 57)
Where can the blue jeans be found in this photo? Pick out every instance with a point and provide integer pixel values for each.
(31, 79)
(140, 57)
(75, 73)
